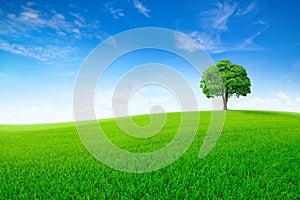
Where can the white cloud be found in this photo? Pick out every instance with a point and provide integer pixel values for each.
(103, 103)
(282, 97)
(250, 8)
(218, 17)
(46, 54)
(141, 8)
(212, 42)
(141, 101)
(30, 19)
(249, 41)
(207, 41)
(215, 23)
(59, 24)
(79, 20)
(185, 43)
(145, 99)
(40, 107)
(35, 113)
(31, 4)
(278, 101)
(115, 12)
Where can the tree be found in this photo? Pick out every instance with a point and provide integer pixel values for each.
(225, 79)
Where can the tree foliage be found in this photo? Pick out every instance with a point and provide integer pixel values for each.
(225, 79)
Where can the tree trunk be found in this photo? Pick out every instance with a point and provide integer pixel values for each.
(225, 100)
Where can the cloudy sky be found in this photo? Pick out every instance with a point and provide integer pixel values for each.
(43, 44)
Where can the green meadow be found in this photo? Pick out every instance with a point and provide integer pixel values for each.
(256, 157)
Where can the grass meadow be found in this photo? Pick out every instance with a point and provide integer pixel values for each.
(256, 157)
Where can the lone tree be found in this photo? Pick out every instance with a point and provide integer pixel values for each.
(225, 79)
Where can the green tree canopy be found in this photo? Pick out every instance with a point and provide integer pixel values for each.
(225, 79)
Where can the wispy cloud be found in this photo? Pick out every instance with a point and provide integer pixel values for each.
(217, 18)
(30, 22)
(196, 40)
(185, 43)
(210, 42)
(31, 19)
(46, 54)
(141, 8)
(31, 3)
(250, 8)
(115, 12)
(249, 41)
(215, 23)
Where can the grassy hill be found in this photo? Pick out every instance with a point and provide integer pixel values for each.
(257, 157)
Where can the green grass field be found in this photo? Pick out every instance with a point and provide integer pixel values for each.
(257, 157)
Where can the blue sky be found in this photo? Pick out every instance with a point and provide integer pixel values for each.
(43, 44)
